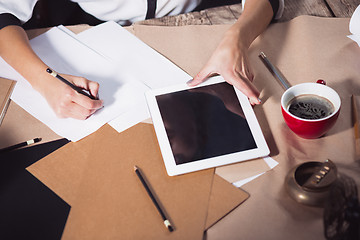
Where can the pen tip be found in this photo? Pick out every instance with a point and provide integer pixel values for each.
(48, 70)
(37, 140)
(170, 228)
(135, 168)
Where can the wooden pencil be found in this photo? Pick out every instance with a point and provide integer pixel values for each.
(19, 145)
(165, 219)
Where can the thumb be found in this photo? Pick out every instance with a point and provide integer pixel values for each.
(200, 77)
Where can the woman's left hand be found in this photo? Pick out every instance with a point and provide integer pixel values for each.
(231, 61)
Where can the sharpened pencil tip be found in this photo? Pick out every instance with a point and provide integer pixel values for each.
(135, 168)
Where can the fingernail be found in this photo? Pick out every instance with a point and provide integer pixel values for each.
(254, 101)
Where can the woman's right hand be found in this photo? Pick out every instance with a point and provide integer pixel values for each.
(66, 102)
(15, 49)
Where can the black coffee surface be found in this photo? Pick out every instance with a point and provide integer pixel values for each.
(309, 106)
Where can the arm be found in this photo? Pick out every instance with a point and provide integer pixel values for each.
(16, 51)
(230, 59)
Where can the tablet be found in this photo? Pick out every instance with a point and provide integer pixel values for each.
(206, 126)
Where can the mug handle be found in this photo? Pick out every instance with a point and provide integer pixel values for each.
(320, 81)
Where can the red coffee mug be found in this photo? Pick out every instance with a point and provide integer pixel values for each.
(310, 128)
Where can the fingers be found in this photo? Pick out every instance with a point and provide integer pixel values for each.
(91, 86)
(77, 111)
(245, 86)
(240, 80)
(94, 89)
(201, 76)
(86, 102)
(77, 106)
(71, 104)
(247, 71)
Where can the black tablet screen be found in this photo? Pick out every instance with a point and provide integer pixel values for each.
(204, 122)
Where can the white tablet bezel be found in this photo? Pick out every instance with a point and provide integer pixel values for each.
(168, 157)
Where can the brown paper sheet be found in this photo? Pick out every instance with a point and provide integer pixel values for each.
(111, 202)
(223, 199)
(108, 184)
(19, 126)
(6, 88)
(68, 175)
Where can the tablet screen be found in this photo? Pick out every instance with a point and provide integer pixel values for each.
(206, 126)
(205, 122)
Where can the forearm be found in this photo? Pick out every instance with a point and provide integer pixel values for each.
(15, 49)
(256, 16)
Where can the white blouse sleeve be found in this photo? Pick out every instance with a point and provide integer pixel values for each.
(21, 9)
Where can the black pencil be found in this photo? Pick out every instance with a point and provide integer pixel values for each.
(19, 145)
(166, 221)
(76, 88)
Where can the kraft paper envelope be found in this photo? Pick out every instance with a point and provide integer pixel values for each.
(111, 203)
(66, 172)
(6, 88)
(223, 199)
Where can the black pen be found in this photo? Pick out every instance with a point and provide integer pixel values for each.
(166, 221)
(76, 88)
(19, 145)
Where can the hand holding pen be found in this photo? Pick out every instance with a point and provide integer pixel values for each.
(74, 97)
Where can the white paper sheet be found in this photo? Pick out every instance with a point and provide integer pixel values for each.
(269, 161)
(124, 66)
(58, 50)
(133, 56)
(354, 26)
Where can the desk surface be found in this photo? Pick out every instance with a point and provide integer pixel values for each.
(267, 195)
(229, 14)
(263, 199)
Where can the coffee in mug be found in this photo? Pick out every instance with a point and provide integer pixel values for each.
(310, 106)
(310, 109)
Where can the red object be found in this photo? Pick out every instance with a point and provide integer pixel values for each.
(309, 129)
(321, 81)
(306, 128)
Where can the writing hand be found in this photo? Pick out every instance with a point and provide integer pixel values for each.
(66, 102)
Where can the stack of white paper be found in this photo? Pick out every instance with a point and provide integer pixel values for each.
(124, 67)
